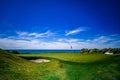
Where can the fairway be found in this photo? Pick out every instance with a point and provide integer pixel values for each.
(71, 57)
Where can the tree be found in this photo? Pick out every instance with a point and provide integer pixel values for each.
(104, 50)
(15, 52)
(7, 50)
(84, 50)
(95, 50)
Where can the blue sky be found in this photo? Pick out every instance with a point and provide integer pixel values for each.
(59, 24)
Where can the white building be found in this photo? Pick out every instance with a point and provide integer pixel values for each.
(108, 53)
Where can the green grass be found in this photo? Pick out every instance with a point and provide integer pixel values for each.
(73, 57)
(63, 66)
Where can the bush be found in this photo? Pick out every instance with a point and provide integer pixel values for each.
(15, 52)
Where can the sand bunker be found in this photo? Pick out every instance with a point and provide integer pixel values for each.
(40, 60)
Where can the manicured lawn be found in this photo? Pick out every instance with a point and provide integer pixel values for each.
(73, 57)
(62, 66)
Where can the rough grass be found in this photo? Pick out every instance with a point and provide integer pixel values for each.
(13, 67)
(63, 66)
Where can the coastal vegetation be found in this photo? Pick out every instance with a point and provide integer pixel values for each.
(102, 51)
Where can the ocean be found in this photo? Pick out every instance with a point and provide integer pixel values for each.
(44, 51)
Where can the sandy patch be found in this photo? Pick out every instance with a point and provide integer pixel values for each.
(40, 60)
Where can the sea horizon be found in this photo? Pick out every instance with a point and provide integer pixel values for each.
(44, 50)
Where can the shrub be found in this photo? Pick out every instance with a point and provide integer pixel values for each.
(15, 52)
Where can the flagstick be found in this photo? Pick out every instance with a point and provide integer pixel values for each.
(71, 48)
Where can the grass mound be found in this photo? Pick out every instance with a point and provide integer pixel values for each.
(13, 67)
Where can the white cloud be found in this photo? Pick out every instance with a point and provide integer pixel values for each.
(31, 36)
(33, 44)
(68, 40)
(60, 43)
(22, 33)
(45, 34)
(80, 29)
(102, 39)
